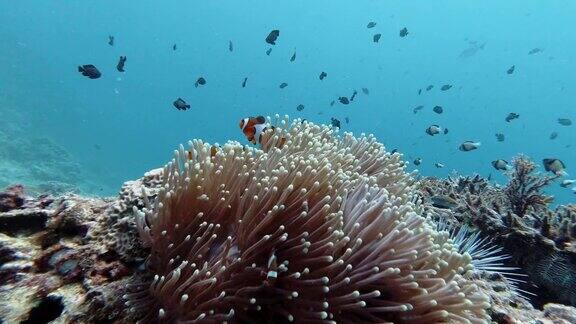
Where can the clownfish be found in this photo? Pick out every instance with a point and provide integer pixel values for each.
(253, 128)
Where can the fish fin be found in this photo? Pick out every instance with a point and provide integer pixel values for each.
(261, 119)
(80, 69)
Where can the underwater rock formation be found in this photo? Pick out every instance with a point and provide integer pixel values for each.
(335, 234)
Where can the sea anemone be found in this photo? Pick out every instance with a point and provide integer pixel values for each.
(486, 256)
(315, 227)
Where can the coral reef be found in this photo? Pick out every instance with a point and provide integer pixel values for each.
(314, 227)
(524, 190)
(517, 217)
(56, 260)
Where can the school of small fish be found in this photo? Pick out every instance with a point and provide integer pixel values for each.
(255, 127)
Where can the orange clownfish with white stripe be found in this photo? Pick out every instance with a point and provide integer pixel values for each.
(253, 128)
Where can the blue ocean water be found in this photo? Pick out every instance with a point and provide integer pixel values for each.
(99, 133)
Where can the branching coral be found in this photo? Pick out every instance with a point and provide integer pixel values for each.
(313, 228)
(524, 189)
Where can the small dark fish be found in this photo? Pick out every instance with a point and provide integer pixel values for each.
(268, 51)
(344, 100)
(433, 130)
(444, 202)
(445, 131)
(535, 51)
(365, 91)
(353, 95)
(180, 104)
(565, 121)
(322, 75)
(283, 85)
(468, 146)
(500, 137)
(567, 183)
(511, 116)
(300, 107)
(438, 109)
(404, 32)
(446, 87)
(417, 161)
(417, 109)
(293, 57)
(272, 37)
(335, 122)
(472, 50)
(553, 135)
(371, 25)
(200, 81)
(438, 165)
(174, 47)
(419, 91)
(428, 88)
(347, 120)
(394, 151)
(121, 62)
(230, 46)
(511, 69)
(244, 82)
(554, 165)
(500, 165)
(111, 40)
(89, 71)
(332, 103)
(376, 37)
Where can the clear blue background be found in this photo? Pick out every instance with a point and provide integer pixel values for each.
(130, 115)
